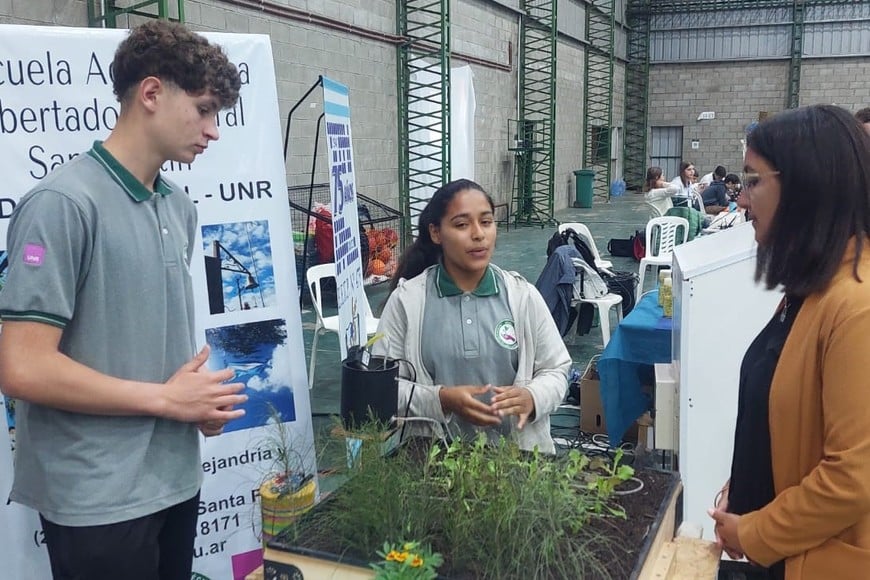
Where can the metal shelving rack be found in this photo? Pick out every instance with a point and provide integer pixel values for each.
(598, 94)
(797, 48)
(423, 73)
(636, 94)
(532, 136)
(105, 13)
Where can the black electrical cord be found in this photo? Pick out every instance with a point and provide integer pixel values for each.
(410, 395)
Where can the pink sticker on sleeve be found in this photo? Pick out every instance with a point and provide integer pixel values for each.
(34, 254)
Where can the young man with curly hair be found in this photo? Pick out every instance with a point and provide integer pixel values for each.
(98, 341)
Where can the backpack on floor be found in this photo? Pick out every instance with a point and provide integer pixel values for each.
(639, 245)
(633, 247)
(624, 284)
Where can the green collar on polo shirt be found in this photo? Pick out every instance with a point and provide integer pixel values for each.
(488, 285)
(124, 178)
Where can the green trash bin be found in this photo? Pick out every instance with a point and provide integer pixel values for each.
(583, 179)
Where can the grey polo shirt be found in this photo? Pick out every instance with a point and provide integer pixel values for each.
(469, 338)
(94, 252)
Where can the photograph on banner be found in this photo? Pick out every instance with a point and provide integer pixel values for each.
(62, 106)
(238, 266)
(4, 264)
(258, 353)
(9, 404)
(350, 292)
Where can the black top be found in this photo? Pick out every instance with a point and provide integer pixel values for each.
(751, 485)
(715, 194)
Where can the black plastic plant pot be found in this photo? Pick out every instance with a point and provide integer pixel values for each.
(368, 392)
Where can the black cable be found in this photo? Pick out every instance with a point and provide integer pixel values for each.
(410, 395)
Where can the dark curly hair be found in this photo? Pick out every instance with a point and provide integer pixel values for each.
(171, 52)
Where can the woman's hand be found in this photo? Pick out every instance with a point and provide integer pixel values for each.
(721, 508)
(726, 528)
(465, 402)
(514, 401)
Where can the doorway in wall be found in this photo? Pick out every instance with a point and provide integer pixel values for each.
(666, 150)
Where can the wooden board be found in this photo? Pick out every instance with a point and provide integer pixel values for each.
(695, 558)
(311, 568)
(685, 559)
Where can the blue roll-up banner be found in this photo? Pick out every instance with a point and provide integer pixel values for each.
(352, 303)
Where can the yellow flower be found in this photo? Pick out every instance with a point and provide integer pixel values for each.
(393, 556)
(401, 557)
(416, 561)
(408, 547)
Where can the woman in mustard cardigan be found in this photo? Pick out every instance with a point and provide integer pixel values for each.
(798, 501)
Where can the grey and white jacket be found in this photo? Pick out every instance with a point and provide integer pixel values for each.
(542, 366)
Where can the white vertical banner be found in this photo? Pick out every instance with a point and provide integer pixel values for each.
(352, 303)
(462, 108)
(55, 100)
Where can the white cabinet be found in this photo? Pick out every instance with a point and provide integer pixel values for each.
(718, 311)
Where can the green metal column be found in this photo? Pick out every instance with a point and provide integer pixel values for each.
(533, 134)
(598, 94)
(423, 77)
(637, 93)
(797, 49)
(105, 13)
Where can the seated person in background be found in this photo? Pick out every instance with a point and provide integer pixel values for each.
(863, 116)
(654, 179)
(717, 174)
(686, 195)
(481, 342)
(658, 192)
(732, 186)
(717, 196)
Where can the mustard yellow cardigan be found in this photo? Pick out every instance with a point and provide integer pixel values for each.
(820, 439)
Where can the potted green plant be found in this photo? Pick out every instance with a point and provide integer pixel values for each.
(286, 490)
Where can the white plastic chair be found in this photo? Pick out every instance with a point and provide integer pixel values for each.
(604, 304)
(584, 231)
(314, 275)
(659, 200)
(662, 234)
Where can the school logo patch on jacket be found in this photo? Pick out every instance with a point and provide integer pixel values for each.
(506, 334)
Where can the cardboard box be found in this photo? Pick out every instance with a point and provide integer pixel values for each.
(592, 411)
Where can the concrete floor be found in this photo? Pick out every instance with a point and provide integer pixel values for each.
(522, 249)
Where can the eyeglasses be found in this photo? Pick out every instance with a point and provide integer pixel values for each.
(750, 180)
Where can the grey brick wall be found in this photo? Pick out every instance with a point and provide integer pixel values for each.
(301, 53)
(736, 92)
(844, 82)
(485, 29)
(52, 12)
